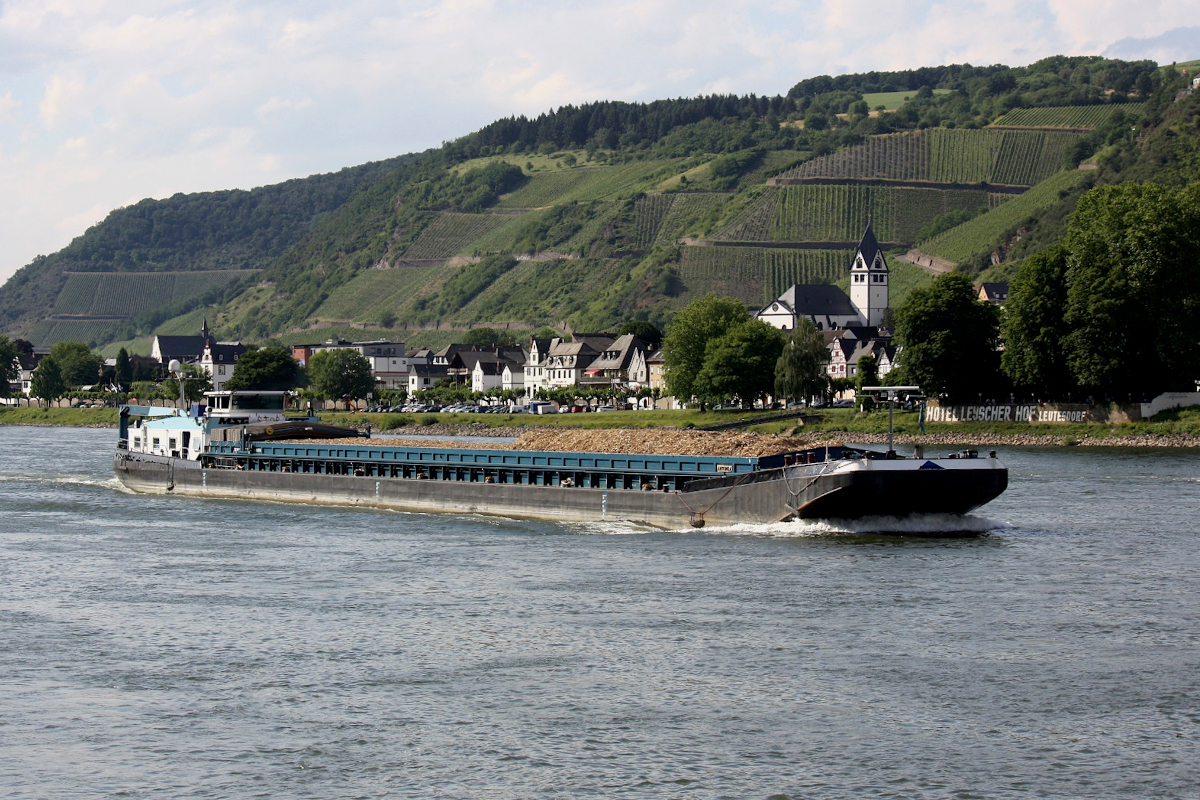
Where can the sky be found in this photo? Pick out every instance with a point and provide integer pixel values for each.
(106, 102)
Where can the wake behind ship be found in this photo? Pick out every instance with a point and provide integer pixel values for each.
(242, 445)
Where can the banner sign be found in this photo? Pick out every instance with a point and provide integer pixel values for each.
(1005, 413)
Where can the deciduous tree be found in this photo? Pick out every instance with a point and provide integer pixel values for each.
(78, 365)
(685, 345)
(950, 338)
(340, 373)
(1034, 327)
(643, 330)
(740, 363)
(47, 382)
(489, 336)
(1133, 289)
(265, 369)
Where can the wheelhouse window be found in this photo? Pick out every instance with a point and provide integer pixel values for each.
(263, 402)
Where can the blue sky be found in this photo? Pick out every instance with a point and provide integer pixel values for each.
(106, 102)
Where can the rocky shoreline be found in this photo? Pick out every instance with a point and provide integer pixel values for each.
(939, 439)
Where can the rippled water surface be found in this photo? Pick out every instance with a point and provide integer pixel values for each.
(179, 648)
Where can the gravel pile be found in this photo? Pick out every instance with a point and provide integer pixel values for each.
(645, 441)
(659, 441)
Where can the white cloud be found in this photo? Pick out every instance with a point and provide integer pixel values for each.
(106, 101)
(8, 106)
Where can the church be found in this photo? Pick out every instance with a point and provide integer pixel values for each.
(829, 307)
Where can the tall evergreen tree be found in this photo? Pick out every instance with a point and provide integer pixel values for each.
(800, 370)
(9, 368)
(123, 370)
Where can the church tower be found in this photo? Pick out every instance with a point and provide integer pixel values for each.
(869, 280)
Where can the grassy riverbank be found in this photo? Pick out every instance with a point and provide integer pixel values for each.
(1180, 428)
(65, 417)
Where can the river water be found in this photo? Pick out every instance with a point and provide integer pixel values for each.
(180, 648)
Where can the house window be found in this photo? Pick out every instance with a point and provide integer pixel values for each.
(221, 370)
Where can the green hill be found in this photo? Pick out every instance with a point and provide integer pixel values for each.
(591, 215)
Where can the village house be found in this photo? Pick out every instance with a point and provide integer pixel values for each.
(218, 360)
(535, 366)
(848, 346)
(567, 362)
(993, 293)
(389, 363)
(26, 364)
(488, 367)
(423, 376)
(612, 367)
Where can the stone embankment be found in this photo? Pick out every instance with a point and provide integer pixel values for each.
(1014, 439)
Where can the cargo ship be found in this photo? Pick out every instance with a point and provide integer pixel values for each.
(242, 445)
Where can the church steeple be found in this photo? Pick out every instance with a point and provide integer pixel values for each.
(204, 330)
(869, 280)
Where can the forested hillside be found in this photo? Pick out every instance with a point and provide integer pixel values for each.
(588, 216)
(221, 237)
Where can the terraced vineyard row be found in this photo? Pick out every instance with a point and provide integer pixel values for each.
(544, 188)
(538, 291)
(897, 157)
(726, 271)
(785, 267)
(1025, 161)
(686, 210)
(1020, 158)
(501, 238)
(450, 234)
(125, 294)
(757, 275)
(830, 213)
(833, 213)
(374, 291)
(752, 223)
(1078, 117)
(774, 161)
(581, 184)
(50, 331)
(980, 235)
(648, 215)
(915, 207)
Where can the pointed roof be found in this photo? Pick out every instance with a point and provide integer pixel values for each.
(868, 247)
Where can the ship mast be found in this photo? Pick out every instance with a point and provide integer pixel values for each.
(890, 394)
